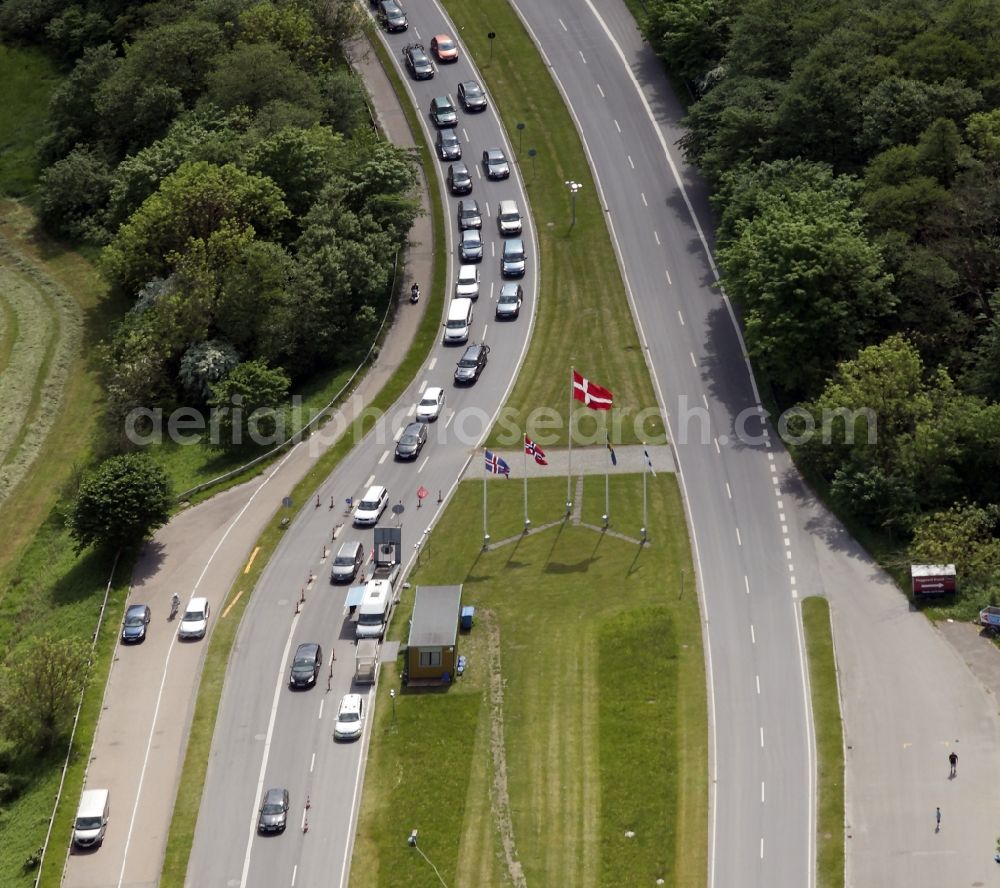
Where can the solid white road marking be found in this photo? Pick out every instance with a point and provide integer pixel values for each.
(383, 457)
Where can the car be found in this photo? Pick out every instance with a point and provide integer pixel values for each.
(135, 623)
(508, 218)
(468, 282)
(391, 16)
(347, 562)
(444, 48)
(431, 404)
(305, 665)
(469, 215)
(470, 246)
(495, 164)
(471, 95)
(417, 61)
(509, 301)
(448, 145)
(372, 505)
(350, 718)
(472, 362)
(273, 816)
(194, 623)
(459, 178)
(412, 441)
(443, 111)
(512, 261)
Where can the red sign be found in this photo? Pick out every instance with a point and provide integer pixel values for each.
(421, 492)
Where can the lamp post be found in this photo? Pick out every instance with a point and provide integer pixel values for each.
(573, 187)
(392, 695)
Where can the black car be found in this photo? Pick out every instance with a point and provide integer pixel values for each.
(495, 164)
(471, 95)
(418, 61)
(472, 363)
(448, 145)
(469, 215)
(412, 440)
(135, 623)
(459, 178)
(306, 665)
(273, 811)
(391, 16)
(470, 245)
(443, 111)
(509, 301)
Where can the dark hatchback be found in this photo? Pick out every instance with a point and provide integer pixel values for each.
(472, 363)
(449, 147)
(135, 623)
(459, 178)
(418, 62)
(305, 665)
(471, 95)
(412, 441)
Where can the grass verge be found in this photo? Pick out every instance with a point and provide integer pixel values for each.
(829, 743)
(28, 76)
(209, 693)
(583, 316)
(604, 732)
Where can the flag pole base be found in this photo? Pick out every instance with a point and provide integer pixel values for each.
(527, 524)
(604, 518)
(569, 509)
(486, 541)
(642, 531)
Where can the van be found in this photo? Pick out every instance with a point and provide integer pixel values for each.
(92, 817)
(456, 328)
(372, 505)
(508, 218)
(373, 613)
(347, 562)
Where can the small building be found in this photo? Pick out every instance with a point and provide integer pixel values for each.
(431, 650)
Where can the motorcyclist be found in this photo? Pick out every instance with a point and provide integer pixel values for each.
(414, 293)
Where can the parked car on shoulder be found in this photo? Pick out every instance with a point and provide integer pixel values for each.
(449, 146)
(495, 164)
(444, 48)
(417, 61)
(443, 111)
(472, 363)
(135, 623)
(472, 96)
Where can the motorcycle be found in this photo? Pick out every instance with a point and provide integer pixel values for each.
(414, 294)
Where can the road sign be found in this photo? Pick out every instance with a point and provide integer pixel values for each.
(421, 492)
(286, 502)
(398, 509)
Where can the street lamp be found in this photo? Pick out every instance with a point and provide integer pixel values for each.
(392, 695)
(573, 187)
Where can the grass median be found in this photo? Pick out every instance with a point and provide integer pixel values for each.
(829, 743)
(574, 749)
(583, 317)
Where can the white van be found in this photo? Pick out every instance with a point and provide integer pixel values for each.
(373, 613)
(92, 817)
(372, 505)
(508, 218)
(456, 328)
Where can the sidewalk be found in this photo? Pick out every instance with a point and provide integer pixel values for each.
(141, 738)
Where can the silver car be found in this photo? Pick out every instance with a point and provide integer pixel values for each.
(470, 247)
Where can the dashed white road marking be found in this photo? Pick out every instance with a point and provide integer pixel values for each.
(670, 282)
(630, 163)
(432, 363)
(753, 635)
(312, 763)
(617, 127)
(717, 448)
(680, 317)
(729, 490)
(642, 194)
(694, 363)
(758, 683)
(746, 583)
(582, 56)
(424, 463)
(739, 539)
(368, 483)
(423, 385)
(601, 91)
(561, 22)
(383, 457)
(656, 235)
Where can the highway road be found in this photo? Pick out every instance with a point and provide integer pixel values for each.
(762, 807)
(268, 735)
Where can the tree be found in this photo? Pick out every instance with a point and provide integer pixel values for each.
(689, 35)
(73, 193)
(42, 683)
(205, 364)
(248, 400)
(983, 133)
(191, 203)
(967, 536)
(120, 502)
(812, 284)
(255, 74)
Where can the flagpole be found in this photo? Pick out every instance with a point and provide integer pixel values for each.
(524, 447)
(569, 458)
(645, 471)
(486, 536)
(607, 499)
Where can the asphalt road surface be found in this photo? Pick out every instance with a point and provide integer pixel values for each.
(268, 735)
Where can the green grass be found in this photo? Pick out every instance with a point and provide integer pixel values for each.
(604, 718)
(209, 693)
(583, 317)
(829, 743)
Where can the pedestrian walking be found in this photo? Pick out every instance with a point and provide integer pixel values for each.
(953, 761)
(937, 818)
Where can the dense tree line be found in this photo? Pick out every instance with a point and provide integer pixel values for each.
(854, 154)
(222, 153)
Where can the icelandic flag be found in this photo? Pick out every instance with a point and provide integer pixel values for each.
(495, 465)
(532, 449)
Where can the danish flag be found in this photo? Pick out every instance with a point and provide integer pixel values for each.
(593, 395)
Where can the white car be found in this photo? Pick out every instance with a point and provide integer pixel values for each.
(194, 623)
(468, 282)
(431, 404)
(350, 718)
(372, 506)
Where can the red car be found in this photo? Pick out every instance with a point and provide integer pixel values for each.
(444, 48)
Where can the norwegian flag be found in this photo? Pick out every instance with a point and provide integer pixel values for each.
(495, 465)
(532, 449)
(594, 396)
